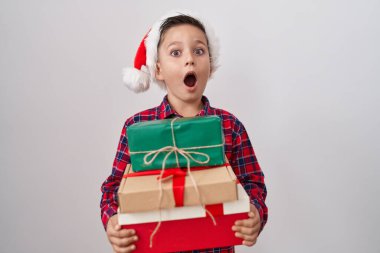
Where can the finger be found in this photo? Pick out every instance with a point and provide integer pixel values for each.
(128, 249)
(127, 232)
(249, 243)
(123, 242)
(246, 230)
(245, 237)
(251, 214)
(121, 233)
(246, 223)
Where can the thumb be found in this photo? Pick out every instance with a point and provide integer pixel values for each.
(117, 227)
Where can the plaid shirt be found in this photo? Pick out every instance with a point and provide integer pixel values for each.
(238, 150)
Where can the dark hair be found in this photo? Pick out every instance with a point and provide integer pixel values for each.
(179, 20)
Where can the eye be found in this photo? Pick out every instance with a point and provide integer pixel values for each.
(175, 53)
(199, 51)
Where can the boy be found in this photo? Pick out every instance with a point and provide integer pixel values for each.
(181, 54)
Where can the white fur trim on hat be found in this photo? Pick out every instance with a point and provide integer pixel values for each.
(136, 80)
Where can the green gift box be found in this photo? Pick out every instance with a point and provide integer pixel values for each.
(173, 143)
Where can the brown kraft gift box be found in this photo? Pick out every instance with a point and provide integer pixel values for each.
(141, 193)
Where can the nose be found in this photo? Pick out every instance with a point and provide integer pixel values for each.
(189, 59)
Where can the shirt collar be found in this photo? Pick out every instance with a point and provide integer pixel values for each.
(167, 111)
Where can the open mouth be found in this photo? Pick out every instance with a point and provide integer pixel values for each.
(190, 79)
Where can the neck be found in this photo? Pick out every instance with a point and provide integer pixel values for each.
(186, 109)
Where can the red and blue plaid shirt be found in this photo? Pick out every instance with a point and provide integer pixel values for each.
(238, 150)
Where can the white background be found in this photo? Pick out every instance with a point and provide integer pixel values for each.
(303, 76)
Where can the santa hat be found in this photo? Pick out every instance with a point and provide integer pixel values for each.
(139, 77)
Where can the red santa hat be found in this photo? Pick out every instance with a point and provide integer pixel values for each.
(139, 77)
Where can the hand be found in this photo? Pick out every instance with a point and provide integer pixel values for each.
(121, 239)
(248, 229)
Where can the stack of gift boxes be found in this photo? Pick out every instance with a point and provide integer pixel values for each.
(179, 192)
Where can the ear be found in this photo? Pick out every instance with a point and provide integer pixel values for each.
(158, 74)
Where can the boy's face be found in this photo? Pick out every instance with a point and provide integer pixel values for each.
(184, 63)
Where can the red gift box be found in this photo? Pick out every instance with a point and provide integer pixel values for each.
(188, 227)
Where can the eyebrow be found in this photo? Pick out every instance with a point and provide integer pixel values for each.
(178, 42)
(173, 43)
(199, 41)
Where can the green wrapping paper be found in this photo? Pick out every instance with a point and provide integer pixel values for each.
(153, 140)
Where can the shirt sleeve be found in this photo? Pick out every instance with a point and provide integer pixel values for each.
(109, 188)
(248, 172)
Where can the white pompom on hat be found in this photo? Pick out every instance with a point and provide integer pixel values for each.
(139, 77)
